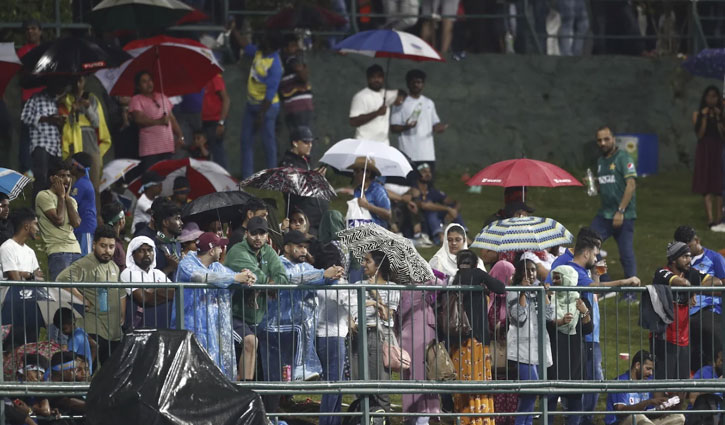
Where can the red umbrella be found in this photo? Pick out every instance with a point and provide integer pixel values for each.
(9, 64)
(192, 17)
(204, 177)
(523, 172)
(178, 65)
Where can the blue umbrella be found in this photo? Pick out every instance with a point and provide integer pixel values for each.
(389, 44)
(709, 63)
(12, 182)
(522, 234)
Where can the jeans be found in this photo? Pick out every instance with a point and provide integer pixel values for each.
(331, 351)
(624, 237)
(434, 222)
(269, 140)
(216, 144)
(592, 372)
(339, 7)
(59, 261)
(527, 372)
(573, 14)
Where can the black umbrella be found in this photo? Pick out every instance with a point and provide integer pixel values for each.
(222, 206)
(72, 56)
(113, 15)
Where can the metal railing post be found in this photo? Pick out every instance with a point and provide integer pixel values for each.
(353, 16)
(179, 299)
(541, 295)
(362, 349)
(57, 18)
(532, 28)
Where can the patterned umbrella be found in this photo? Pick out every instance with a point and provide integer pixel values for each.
(407, 266)
(709, 63)
(292, 181)
(522, 234)
(12, 182)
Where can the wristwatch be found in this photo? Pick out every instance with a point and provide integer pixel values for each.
(620, 210)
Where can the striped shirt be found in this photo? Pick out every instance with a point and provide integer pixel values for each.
(296, 94)
(154, 139)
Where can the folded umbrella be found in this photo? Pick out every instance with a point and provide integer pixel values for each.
(522, 234)
(406, 264)
(12, 182)
(72, 56)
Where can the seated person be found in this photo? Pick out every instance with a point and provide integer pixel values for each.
(297, 220)
(407, 217)
(63, 330)
(710, 370)
(68, 367)
(370, 194)
(438, 208)
(189, 234)
(34, 371)
(642, 368)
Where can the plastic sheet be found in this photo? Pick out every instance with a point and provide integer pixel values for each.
(166, 377)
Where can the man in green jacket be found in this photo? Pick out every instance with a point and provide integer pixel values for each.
(249, 306)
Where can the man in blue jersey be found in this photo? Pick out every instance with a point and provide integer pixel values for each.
(85, 195)
(642, 368)
(582, 259)
(705, 315)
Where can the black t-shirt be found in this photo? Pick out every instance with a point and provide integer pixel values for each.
(664, 276)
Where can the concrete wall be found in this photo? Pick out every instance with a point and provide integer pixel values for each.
(503, 106)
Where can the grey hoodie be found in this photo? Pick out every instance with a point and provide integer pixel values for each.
(522, 339)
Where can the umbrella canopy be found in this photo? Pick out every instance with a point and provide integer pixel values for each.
(389, 44)
(390, 161)
(708, 63)
(523, 172)
(294, 181)
(305, 16)
(16, 359)
(522, 234)
(204, 177)
(406, 264)
(112, 15)
(12, 182)
(9, 64)
(223, 206)
(115, 170)
(72, 56)
(178, 66)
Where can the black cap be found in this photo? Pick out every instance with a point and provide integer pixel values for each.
(295, 237)
(512, 207)
(32, 22)
(181, 185)
(302, 133)
(257, 223)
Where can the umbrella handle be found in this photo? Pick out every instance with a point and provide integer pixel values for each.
(161, 78)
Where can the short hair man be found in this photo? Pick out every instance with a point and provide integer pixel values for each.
(706, 314)
(164, 230)
(248, 308)
(150, 188)
(113, 215)
(58, 216)
(64, 331)
(17, 259)
(105, 307)
(369, 112)
(416, 120)
(642, 368)
(85, 196)
(254, 208)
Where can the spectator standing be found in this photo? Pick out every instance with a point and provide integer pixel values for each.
(707, 179)
(369, 113)
(416, 120)
(262, 108)
(401, 14)
(375, 199)
(298, 156)
(33, 34)
(6, 226)
(616, 174)
(151, 111)
(150, 189)
(58, 216)
(114, 216)
(294, 88)
(207, 311)
(40, 114)
(85, 196)
(433, 11)
(214, 111)
(105, 307)
(18, 260)
(574, 26)
(188, 113)
(164, 230)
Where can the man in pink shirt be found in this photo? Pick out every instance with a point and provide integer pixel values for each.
(159, 133)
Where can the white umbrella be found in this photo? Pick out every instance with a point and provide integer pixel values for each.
(114, 170)
(390, 161)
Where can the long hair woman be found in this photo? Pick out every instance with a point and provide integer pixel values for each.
(707, 179)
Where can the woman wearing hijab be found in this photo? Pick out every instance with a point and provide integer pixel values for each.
(572, 322)
(503, 271)
(454, 240)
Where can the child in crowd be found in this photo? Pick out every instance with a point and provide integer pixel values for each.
(73, 339)
(199, 148)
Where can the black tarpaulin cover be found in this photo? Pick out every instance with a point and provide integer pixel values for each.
(166, 377)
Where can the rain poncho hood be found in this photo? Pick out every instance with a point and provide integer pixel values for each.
(565, 302)
(444, 261)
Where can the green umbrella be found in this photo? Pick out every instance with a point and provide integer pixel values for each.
(113, 15)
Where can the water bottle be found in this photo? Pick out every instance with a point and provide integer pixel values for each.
(102, 295)
(589, 183)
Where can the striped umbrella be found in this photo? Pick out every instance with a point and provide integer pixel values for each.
(12, 182)
(522, 234)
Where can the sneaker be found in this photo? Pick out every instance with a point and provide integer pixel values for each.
(422, 241)
(314, 376)
(718, 227)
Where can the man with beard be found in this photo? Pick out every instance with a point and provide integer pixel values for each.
(6, 227)
(207, 311)
(369, 112)
(114, 216)
(141, 267)
(18, 260)
(164, 230)
(642, 368)
(104, 306)
(616, 174)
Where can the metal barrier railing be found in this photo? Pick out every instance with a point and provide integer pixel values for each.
(428, 299)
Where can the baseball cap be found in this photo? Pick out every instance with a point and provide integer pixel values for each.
(257, 223)
(181, 185)
(209, 240)
(295, 237)
(302, 133)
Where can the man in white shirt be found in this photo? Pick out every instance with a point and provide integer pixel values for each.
(18, 260)
(416, 120)
(150, 188)
(368, 113)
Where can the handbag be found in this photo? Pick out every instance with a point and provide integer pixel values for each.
(499, 359)
(394, 357)
(438, 363)
(357, 215)
(452, 318)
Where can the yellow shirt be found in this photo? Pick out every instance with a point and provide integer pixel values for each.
(264, 75)
(57, 238)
